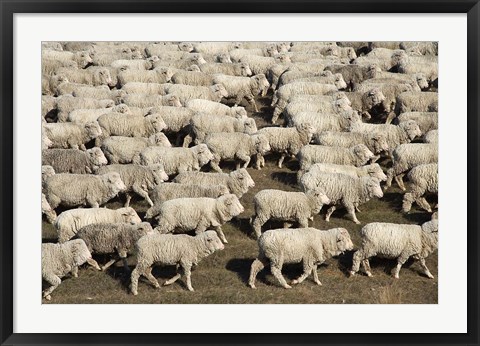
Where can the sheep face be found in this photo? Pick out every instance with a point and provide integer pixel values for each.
(239, 112)
(79, 251)
(143, 228)
(173, 101)
(96, 157)
(271, 50)
(204, 155)
(408, 200)
(373, 187)
(351, 53)
(262, 146)
(344, 242)
(375, 171)
(339, 81)
(103, 77)
(159, 139)
(374, 97)
(352, 117)
(380, 143)
(212, 241)
(158, 173)
(283, 47)
(245, 70)
(342, 105)
(249, 126)
(223, 58)
(83, 58)
(129, 215)
(362, 152)
(307, 129)
(411, 128)
(47, 171)
(93, 129)
(243, 177)
(430, 226)
(233, 207)
(166, 73)
(193, 68)
(121, 108)
(107, 103)
(262, 84)
(157, 122)
(320, 198)
(197, 59)
(114, 182)
(219, 90)
(422, 81)
(185, 47)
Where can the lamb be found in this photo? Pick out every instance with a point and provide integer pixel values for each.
(69, 135)
(71, 190)
(375, 142)
(287, 141)
(138, 179)
(202, 124)
(144, 100)
(187, 92)
(354, 74)
(128, 126)
(431, 136)
(407, 156)
(60, 259)
(73, 160)
(82, 58)
(83, 116)
(309, 246)
(95, 77)
(310, 179)
(301, 88)
(48, 211)
(68, 103)
(287, 206)
(240, 69)
(348, 191)
(215, 108)
(399, 241)
(120, 149)
(416, 102)
(261, 65)
(244, 87)
(192, 78)
(110, 238)
(182, 250)
(327, 122)
(175, 160)
(199, 214)
(238, 182)
(236, 146)
(357, 155)
(426, 120)
(423, 179)
(69, 222)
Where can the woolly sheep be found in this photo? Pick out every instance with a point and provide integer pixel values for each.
(267, 50)
(50, 84)
(326, 121)
(240, 69)
(158, 48)
(145, 100)
(235, 146)
(423, 178)
(167, 249)
(260, 65)
(310, 179)
(110, 238)
(398, 241)
(286, 206)
(348, 191)
(69, 135)
(334, 79)
(407, 156)
(49, 106)
(301, 88)
(74, 160)
(72, 190)
(188, 92)
(47, 210)
(83, 116)
(161, 75)
(120, 149)
(185, 61)
(215, 108)
(47, 172)
(366, 101)
(416, 102)
(202, 124)
(128, 126)
(286, 141)
(308, 246)
(82, 58)
(426, 120)
(192, 78)
(354, 74)
(418, 81)
(145, 88)
(50, 66)
(244, 87)
(137, 64)
(68, 88)
(105, 59)
(175, 160)
(238, 182)
(69, 222)
(199, 214)
(60, 259)
(100, 93)
(98, 76)
(408, 65)
(68, 103)
(431, 136)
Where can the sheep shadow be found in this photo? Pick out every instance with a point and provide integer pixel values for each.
(287, 178)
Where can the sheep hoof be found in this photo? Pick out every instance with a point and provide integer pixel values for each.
(191, 289)
(295, 282)
(287, 286)
(352, 273)
(430, 276)
(48, 297)
(318, 283)
(369, 274)
(357, 222)
(252, 286)
(135, 293)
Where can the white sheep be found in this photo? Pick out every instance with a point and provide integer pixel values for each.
(128, 126)
(69, 135)
(193, 78)
(239, 69)
(260, 64)
(68, 103)
(354, 74)
(161, 75)
(73, 160)
(69, 222)
(308, 246)
(145, 88)
(431, 136)
(286, 206)
(145, 100)
(48, 211)
(426, 120)
(416, 101)
(95, 77)
(136, 64)
(215, 108)
(83, 116)
(327, 121)
(238, 182)
(423, 179)
(82, 58)
(399, 241)
(236, 146)
(168, 249)
(188, 92)
(285, 92)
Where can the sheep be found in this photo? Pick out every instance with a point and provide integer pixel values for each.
(161, 75)
(199, 214)
(348, 191)
(238, 182)
(145, 88)
(68, 88)
(309, 246)
(82, 58)
(52, 46)
(395, 135)
(159, 48)
(68, 103)
(182, 250)
(215, 108)
(418, 81)
(261, 65)
(105, 59)
(138, 179)
(50, 66)
(60, 259)
(431, 136)
(69, 135)
(354, 74)
(215, 47)
(73, 160)
(184, 62)
(83, 116)
(366, 101)
(287, 141)
(46, 142)
(50, 84)
(426, 120)
(240, 69)
(128, 126)
(188, 92)
(399, 241)
(409, 65)
(310, 179)
(300, 88)
(202, 124)
(244, 87)
(357, 155)
(69, 222)
(49, 106)
(95, 77)
(384, 44)
(375, 142)
(424, 48)
(290, 75)
(110, 238)
(286, 206)
(137, 64)
(325, 77)
(238, 54)
(47, 172)
(100, 93)
(423, 178)
(327, 122)
(236, 146)
(71, 190)
(48, 211)
(382, 57)
(145, 100)
(416, 102)
(407, 156)
(192, 78)
(175, 160)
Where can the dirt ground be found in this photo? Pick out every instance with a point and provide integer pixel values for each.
(222, 277)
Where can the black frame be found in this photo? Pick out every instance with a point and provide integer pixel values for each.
(9, 7)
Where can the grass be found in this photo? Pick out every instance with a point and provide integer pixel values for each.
(222, 277)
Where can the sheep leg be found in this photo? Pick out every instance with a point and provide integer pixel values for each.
(142, 193)
(357, 259)
(251, 100)
(315, 275)
(399, 180)
(256, 267)
(357, 209)
(173, 279)
(108, 264)
(258, 222)
(127, 201)
(54, 281)
(280, 161)
(148, 274)
(187, 140)
(303, 223)
(93, 263)
(330, 212)
(92, 202)
(351, 212)
(287, 224)
(276, 269)
(258, 163)
(276, 114)
(186, 267)
(246, 160)
(74, 271)
(425, 269)
(219, 231)
(53, 200)
(214, 164)
(389, 179)
(400, 261)
(422, 202)
(390, 117)
(307, 269)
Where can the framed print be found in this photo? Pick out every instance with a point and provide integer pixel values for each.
(208, 175)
